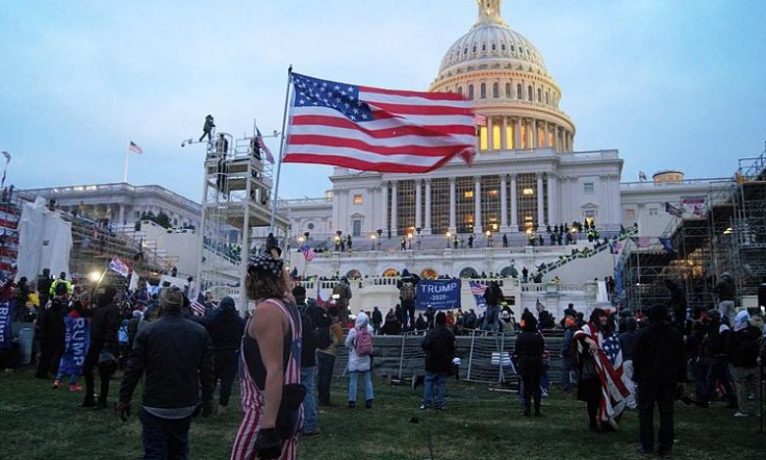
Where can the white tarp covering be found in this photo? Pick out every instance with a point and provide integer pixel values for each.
(45, 241)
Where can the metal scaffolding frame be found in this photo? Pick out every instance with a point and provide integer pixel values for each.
(236, 200)
(730, 237)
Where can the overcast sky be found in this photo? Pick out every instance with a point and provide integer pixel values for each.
(671, 84)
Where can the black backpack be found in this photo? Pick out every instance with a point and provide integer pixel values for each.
(323, 331)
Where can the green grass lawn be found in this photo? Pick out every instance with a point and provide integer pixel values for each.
(38, 423)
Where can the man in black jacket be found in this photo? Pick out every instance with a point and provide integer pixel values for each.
(659, 364)
(104, 342)
(50, 332)
(226, 329)
(439, 345)
(176, 357)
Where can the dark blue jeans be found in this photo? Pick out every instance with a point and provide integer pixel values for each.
(165, 438)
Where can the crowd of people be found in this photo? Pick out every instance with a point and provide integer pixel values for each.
(285, 353)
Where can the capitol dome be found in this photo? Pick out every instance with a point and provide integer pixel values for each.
(505, 74)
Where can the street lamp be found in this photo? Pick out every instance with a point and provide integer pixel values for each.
(489, 238)
(449, 237)
(337, 242)
(301, 240)
(372, 238)
(409, 239)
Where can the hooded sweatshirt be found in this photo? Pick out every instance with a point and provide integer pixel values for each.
(358, 363)
(744, 344)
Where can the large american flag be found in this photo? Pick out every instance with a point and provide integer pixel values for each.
(373, 129)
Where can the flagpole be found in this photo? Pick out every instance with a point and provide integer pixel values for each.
(127, 156)
(281, 151)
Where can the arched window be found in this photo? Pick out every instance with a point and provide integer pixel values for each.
(483, 93)
(474, 48)
(495, 90)
(469, 272)
(518, 90)
(508, 90)
(539, 95)
(484, 47)
(530, 94)
(460, 90)
(494, 47)
(470, 91)
(547, 97)
(502, 46)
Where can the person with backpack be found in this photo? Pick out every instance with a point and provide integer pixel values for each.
(407, 296)
(359, 343)
(329, 337)
(439, 347)
(493, 295)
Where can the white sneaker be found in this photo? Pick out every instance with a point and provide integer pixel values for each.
(741, 414)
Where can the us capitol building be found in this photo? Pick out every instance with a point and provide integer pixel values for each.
(527, 174)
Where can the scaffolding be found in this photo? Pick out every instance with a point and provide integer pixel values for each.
(729, 237)
(236, 200)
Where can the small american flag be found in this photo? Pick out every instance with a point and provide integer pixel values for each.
(263, 146)
(476, 288)
(198, 306)
(133, 147)
(374, 129)
(308, 253)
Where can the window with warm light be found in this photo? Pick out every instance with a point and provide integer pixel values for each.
(496, 139)
(483, 141)
(528, 191)
(357, 199)
(468, 194)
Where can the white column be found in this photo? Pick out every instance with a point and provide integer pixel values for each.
(394, 225)
(384, 206)
(504, 135)
(540, 202)
(418, 205)
(490, 134)
(503, 203)
(535, 142)
(121, 215)
(514, 205)
(477, 205)
(553, 200)
(452, 205)
(427, 225)
(517, 133)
